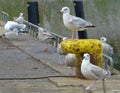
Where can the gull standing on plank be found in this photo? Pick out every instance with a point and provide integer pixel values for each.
(45, 37)
(20, 19)
(91, 71)
(74, 23)
(11, 25)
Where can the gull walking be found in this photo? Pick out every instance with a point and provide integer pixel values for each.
(91, 71)
(74, 23)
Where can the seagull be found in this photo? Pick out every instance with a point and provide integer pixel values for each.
(10, 34)
(45, 37)
(11, 25)
(74, 23)
(107, 52)
(91, 71)
(20, 19)
(107, 49)
(60, 51)
(70, 60)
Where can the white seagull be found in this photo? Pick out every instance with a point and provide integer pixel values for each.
(20, 19)
(108, 52)
(107, 48)
(74, 23)
(11, 25)
(45, 37)
(91, 71)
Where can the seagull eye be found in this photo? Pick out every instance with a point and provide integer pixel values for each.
(87, 55)
(65, 9)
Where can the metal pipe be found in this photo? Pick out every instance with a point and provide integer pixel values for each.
(79, 11)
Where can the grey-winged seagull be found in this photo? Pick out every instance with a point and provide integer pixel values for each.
(74, 23)
(108, 52)
(91, 71)
(107, 48)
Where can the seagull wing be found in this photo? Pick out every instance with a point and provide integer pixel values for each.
(99, 72)
(79, 22)
(107, 49)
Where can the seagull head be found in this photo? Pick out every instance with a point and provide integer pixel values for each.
(103, 39)
(65, 10)
(21, 14)
(86, 56)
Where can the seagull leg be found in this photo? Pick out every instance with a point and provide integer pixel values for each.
(104, 88)
(91, 86)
